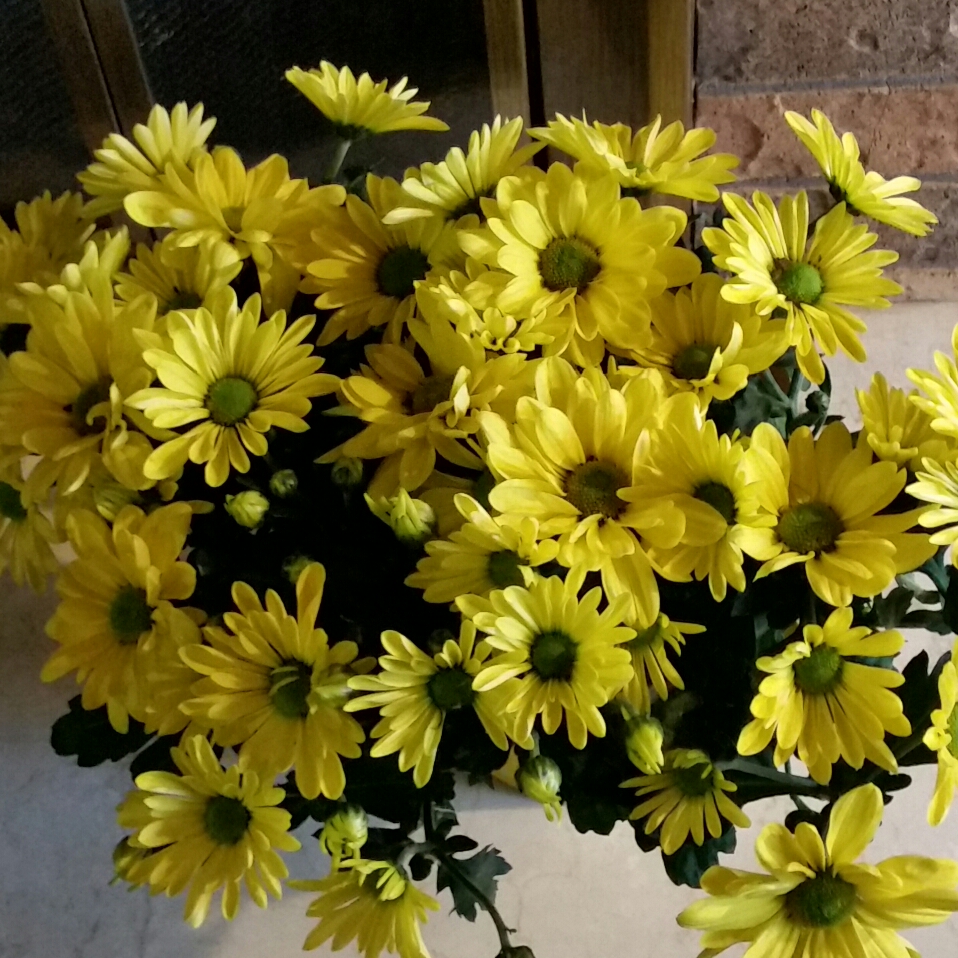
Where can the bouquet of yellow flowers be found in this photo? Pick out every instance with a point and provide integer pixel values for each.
(505, 468)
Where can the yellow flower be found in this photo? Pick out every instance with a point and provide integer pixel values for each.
(207, 828)
(274, 684)
(942, 738)
(109, 598)
(896, 429)
(557, 654)
(486, 553)
(941, 402)
(412, 521)
(654, 160)
(453, 188)
(568, 240)
(817, 902)
(824, 497)
(371, 903)
(359, 106)
(938, 484)
(564, 460)
(415, 692)
(236, 377)
(25, 534)
(704, 476)
(644, 737)
(687, 797)
(867, 193)
(776, 267)
(122, 167)
(823, 704)
(704, 344)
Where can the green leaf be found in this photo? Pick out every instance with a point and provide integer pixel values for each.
(480, 872)
(156, 757)
(88, 735)
(949, 611)
(691, 861)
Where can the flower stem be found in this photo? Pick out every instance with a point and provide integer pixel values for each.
(790, 784)
(336, 163)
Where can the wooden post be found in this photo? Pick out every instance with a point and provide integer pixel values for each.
(671, 36)
(506, 50)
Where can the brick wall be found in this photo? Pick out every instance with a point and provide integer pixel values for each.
(885, 69)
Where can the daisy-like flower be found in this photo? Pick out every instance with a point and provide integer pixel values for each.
(942, 738)
(687, 797)
(704, 344)
(825, 496)
(564, 459)
(415, 691)
(941, 391)
(26, 534)
(820, 702)
(367, 271)
(557, 654)
(897, 430)
(274, 683)
(207, 828)
(359, 107)
(867, 193)
(653, 160)
(775, 266)
(704, 476)
(568, 240)
(938, 484)
(121, 167)
(413, 416)
(234, 376)
(109, 597)
(486, 553)
(453, 188)
(817, 900)
(372, 904)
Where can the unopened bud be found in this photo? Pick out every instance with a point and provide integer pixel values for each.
(247, 508)
(344, 833)
(283, 483)
(111, 497)
(412, 520)
(125, 859)
(540, 780)
(643, 743)
(348, 472)
(294, 565)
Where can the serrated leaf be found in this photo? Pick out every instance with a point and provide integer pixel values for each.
(459, 844)
(691, 861)
(88, 735)
(156, 757)
(481, 871)
(420, 867)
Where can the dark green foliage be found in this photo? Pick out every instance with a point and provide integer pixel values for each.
(89, 736)
(467, 876)
(691, 861)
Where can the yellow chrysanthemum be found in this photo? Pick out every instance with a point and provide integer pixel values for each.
(25, 534)
(704, 344)
(413, 416)
(776, 267)
(942, 738)
(276, 685)
(359, 106)
(824, 497)
(207, 828)
(564, 460)
(687, 797)
(110, 596)
(896, 429)
(122, 167)
(938, 484)
(567, 239)
(653, 160)
(236, 377)
(557, 654)
(372, 904)
(817, 902)
(452, 189)
(415, 691)
(704, 475)
(819, 701)
(867, 193)
(486, 553)
(941, 401)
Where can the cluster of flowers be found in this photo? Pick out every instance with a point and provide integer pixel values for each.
(543, 364)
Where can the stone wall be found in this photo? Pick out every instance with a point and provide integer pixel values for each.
(885, 69)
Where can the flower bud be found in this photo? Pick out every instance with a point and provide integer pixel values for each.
(348, 472)
(294, 565)
(247, 508)
(283, 483)
(412, 520)
(344, 833)
(111, 497)
(643, 743)
(540, 780)
(125, 859)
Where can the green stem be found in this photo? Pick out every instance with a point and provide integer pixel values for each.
(336, 163)
(795, 390)
(790, 784)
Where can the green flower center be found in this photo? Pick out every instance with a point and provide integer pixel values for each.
(81, 406)
(399, 270)
(183, 299)
(430, 392)
(568, 263)
(230, 400)
(233, 217)
(695, 781)
(719, 497)
(694, 361)
(821, 902)
(953, 731)
(799, 282)
(554, 655)
(810, 527)
(130, 615)
(225, 819)
(11, 505)
(821, 672)
(451, 689)
(647, 637)
(592, 489)
(503, 569)
(289, 688)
